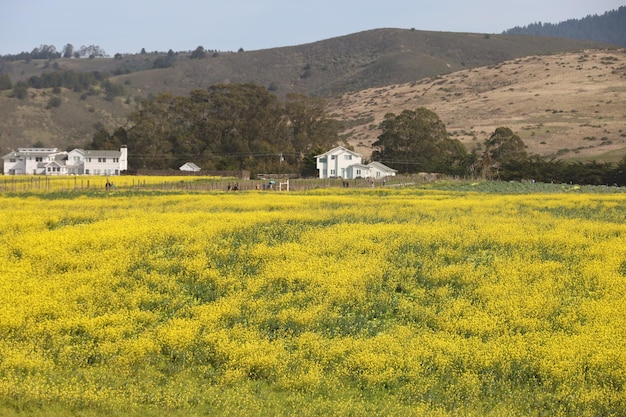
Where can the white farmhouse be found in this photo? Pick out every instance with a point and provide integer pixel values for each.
(341, 162)
(105, 162)
(51, 161)
(28, 160)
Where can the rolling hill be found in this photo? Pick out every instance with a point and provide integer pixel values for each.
(340, 69)
(567, 105)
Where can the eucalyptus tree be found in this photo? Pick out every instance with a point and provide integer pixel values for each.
(417, 140)
(503, 147)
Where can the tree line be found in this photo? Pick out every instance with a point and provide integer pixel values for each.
(73, 80)
(225, 127)
(608, 28)
(416, 140)
(246, 127)
(51, 52)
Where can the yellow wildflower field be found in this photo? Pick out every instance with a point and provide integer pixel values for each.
(328, 302)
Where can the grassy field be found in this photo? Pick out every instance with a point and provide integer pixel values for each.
(448, 299)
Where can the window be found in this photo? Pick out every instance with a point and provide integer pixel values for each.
(333, 172)
(116, 160)
(358, 172)
(102, 160)
(323, 160)
(38, 159)
(12, 160)
(332, 157)
(88, 159)
(347, 157)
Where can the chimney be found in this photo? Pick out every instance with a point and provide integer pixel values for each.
(123, 158)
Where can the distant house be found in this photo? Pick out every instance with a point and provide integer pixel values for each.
(105, 162)
(28, 160)
(341, 162)
(51, 161)
(190, 167)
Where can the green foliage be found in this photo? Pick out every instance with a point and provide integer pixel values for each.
(68, 50)
(556, 171)
(112, 90)
(165, 61)
(198, 53)
(5, 82)
(77, 81)
(503, 147)
(608, 28)
(417, 141)
(103, 140)
(311, 127)
(228, 127)
(54, 102)
(20, 90)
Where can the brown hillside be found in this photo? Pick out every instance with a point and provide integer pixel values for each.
(353, 62)
(328, 68)
(570, 105)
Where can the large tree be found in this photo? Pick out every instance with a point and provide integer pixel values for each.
(309, 124)
(502, 148)
(417, 140)
(234, 126)
(152, 133)
(68, 51)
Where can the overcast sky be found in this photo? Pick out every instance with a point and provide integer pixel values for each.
(126, 26)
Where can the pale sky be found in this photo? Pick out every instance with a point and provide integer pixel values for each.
(126, 26)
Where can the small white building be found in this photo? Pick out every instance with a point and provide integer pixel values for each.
(190, 167)
(380, 170)
(341, 162)
(51, 161)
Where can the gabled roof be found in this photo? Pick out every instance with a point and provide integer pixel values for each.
(60, 156)
(339, 150)
(358, 166)
(30, 152)
(189, 166)
(381, 167)
(54, 163)
(13, 154)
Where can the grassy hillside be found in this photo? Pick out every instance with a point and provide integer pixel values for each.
(349, 63)
(570, 105)
(328, 68)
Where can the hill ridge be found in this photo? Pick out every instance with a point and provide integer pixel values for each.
(328, 68)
